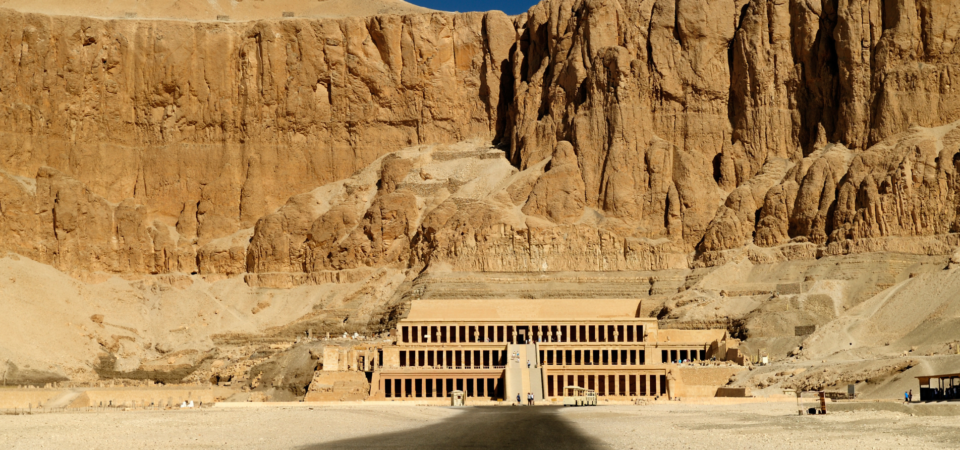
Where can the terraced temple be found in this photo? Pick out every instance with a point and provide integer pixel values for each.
(502, 348)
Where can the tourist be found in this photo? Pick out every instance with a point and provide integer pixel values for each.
(518, 399)
(528, 363)
(910, 396)
(529, 399)
(906, 397)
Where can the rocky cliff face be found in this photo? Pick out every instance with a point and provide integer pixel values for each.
(200, 129)
(644, 135)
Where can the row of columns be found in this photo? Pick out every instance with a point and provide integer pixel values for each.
(451, 358)
(458, 334)
(609, 384)
(587, 357)
(432, 387)
(672, 356)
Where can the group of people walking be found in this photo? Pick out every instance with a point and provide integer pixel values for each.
(530, 400)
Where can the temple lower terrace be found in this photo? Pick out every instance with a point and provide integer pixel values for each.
(500, 349)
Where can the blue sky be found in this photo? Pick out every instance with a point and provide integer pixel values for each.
(508, 6)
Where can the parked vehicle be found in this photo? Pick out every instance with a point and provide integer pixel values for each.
(578, 396)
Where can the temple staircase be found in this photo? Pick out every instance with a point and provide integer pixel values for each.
(520, 378)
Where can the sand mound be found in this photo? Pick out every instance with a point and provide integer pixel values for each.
(212, 9)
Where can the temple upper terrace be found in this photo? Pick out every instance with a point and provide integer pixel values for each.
(521, 321)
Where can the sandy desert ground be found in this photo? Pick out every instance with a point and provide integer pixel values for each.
(661, 426)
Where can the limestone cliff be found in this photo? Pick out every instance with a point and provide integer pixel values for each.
(650, 134)
(197, 130)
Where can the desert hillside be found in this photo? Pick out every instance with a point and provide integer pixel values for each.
(183, 196)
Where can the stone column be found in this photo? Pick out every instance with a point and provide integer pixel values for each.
(616, 385)
(403, 388)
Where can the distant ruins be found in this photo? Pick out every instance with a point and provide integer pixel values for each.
(499, 349)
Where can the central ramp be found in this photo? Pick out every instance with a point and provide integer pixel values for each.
(520, 378)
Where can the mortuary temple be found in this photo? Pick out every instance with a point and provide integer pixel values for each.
(498, 349)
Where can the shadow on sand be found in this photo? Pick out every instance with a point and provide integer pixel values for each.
(538, 427)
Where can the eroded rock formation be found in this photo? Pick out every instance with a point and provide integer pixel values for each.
(637, 135)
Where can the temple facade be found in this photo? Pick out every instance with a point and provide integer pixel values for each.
(499, 349)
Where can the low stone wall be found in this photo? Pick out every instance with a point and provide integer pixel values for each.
(119, 397)
(734, 392)
(701, 381)
(26, 398)
(145, 397)
(337, 386)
